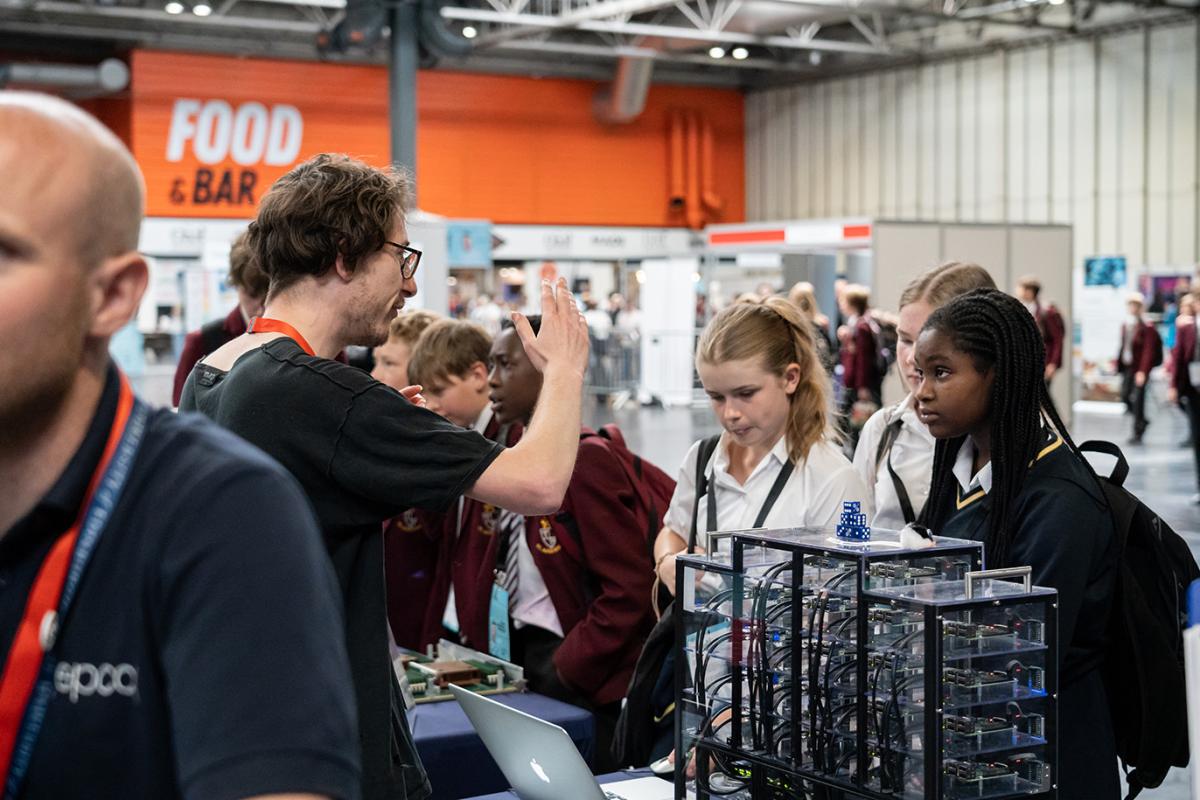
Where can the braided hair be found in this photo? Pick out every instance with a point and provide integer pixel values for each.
(999, 333)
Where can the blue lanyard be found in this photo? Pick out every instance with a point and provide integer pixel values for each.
(95, 519)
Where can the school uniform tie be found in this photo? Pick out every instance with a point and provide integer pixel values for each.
(513, 528)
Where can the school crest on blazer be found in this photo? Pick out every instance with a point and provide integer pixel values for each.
(548, 542)
(489, 520)
(408, 522)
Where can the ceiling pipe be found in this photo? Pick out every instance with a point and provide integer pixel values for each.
(110, 75)
(663, 31)
(624, 99)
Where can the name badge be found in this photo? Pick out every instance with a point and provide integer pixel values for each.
(498, 642)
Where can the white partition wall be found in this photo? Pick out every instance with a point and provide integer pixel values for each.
(904, 250)
(668, 299)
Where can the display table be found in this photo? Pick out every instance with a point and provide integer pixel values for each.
(602, 779)
(454, 756)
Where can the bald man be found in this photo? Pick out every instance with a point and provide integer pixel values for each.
(167, 610)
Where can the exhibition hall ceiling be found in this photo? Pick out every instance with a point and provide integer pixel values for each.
(719, 42)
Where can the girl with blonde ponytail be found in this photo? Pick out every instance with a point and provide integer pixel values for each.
(774, 465)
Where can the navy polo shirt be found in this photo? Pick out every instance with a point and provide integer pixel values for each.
(196, 660)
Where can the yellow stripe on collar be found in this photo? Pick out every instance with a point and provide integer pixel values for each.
(1048, 449)
(963, 502)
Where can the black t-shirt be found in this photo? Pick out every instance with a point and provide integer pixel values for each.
(195, 660)
(363, 454)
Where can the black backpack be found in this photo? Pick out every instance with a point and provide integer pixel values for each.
(883, 328)
(1144, 675)
(647, 711)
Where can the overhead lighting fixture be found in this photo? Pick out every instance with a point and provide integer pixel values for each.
(740, 53)
(202, 9)
(716, 52)
(469, 32)
(814, 57)
(1057, 2)
(173, 7)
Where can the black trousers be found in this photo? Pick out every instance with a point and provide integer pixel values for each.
(1135, 401)
(533, 648)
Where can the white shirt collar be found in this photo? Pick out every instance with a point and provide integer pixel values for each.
(484, 419)
(720, 463)
(913, 422)
(962, 470)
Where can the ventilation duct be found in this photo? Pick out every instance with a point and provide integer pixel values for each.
(625, 98)
(110, 75)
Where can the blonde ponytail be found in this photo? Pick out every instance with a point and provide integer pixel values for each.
(775, 334)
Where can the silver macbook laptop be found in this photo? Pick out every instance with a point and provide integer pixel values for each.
(539, 759)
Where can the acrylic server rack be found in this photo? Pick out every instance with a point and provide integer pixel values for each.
(808, 666)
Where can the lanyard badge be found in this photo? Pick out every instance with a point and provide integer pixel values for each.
(27, 682)
(268, 325)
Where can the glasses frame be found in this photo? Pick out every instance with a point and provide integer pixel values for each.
(406, 255)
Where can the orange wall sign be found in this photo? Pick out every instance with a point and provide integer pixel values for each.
(212, 133)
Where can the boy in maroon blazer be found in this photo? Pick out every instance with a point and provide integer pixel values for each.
(1141, 346)
(449, 362)
(1050, 323)
(582, 608)
(1184, 356)
(251, 284)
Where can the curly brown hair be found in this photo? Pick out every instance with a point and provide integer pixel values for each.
(244, 271)
(328, 206)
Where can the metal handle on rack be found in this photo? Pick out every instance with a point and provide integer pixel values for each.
(1024, 573)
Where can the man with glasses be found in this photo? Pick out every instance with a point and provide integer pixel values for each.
(331, 235)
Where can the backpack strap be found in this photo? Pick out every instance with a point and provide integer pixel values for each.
(781, 480)
(707, 448)
(884, 455)
(1121, 470)
(890, 434)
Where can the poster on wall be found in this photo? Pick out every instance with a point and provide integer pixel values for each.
(1105, 271)
(1099, 312)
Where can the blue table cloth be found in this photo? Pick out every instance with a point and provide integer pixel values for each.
(609, 778)
(454, 756)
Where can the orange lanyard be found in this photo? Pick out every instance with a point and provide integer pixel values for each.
(268, 325)
(20, 719)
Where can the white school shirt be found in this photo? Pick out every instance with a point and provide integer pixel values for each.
(812, 496)
(963, 463)
(533, 605)
(912, 458)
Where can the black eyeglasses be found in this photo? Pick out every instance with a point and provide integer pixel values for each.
(409, 258)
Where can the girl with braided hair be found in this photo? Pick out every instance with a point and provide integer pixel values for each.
(1006, 473)
(894, 455)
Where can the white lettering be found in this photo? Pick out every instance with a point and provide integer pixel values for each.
(249, 133)
(183, 127)
(84, 680)
(214, 129)
(287, 133)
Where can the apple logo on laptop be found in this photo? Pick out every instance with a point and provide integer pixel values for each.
(537, 770)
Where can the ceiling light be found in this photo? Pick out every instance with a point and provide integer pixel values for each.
(740, 53)
(469, 32)
(202, 9)
(173, 7)
(717, 52)
(814, 58)
(1057, 2)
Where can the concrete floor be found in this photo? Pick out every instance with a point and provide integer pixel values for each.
(1162, 474)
